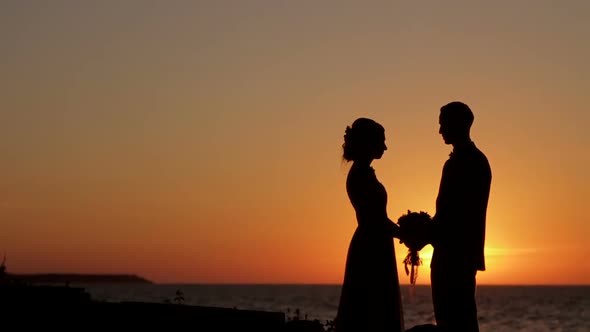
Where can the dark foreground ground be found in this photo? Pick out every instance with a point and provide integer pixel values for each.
(60, 308)
(26, 307)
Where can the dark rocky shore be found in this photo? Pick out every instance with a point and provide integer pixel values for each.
(62, 308)
(67, 308)
(47, 302)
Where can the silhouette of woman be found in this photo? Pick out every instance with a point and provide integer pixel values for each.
(370, 299)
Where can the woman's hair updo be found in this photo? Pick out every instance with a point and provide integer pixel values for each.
(359, 136)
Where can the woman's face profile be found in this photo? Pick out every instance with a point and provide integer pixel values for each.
(379, 147)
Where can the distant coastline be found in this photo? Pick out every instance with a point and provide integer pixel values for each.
(65, 278)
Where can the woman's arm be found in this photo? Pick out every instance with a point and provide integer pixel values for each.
(395, 230)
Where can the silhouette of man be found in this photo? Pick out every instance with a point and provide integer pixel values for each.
(459, 223)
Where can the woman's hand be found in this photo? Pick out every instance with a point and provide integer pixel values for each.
(394, 229)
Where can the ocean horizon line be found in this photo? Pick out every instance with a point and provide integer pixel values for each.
(338, 285)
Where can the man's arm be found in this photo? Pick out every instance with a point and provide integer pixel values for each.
(462, 204)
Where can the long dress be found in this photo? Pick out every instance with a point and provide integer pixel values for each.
(370, 299)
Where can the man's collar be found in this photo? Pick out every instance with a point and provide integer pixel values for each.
(459, 148)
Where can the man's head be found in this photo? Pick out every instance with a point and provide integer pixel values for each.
(455, 122)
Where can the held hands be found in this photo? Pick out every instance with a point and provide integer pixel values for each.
(408, 236)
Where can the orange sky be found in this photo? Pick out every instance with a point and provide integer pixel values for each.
(201, 142)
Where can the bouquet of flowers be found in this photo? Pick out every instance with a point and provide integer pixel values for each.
(413, 225)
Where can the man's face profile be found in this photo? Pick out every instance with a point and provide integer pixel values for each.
(445, 129)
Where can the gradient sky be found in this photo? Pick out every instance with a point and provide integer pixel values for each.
(200, 141)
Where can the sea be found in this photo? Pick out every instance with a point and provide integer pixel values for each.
(500, 308)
